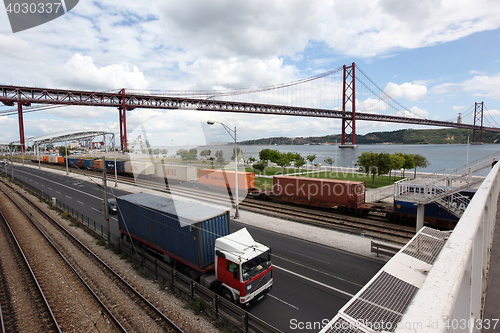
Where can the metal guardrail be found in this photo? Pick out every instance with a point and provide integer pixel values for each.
(384, 249)
(455, 204)
(214, 305)
(440, 185)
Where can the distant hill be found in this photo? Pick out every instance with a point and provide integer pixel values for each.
(406, 136)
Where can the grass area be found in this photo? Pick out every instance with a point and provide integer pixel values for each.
(273, 171)
(359, 177)
(380, 181)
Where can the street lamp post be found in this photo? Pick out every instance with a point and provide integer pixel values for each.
(232, 133)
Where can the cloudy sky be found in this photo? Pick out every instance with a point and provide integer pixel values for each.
(436, 57)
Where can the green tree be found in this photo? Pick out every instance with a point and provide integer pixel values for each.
(420, 162)
(205, 152)
(63, 151)
(181, 151)
(237, 151)
(299, 161)
(190, 155)
(269, 155)
(260, 166)
(374, 164)
(219, 155)
(329, 161)
(397, 162)
(408, 163)
(284, 160)
(311, 158)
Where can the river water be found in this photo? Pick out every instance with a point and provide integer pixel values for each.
(446, 156)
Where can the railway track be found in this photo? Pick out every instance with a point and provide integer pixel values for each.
(110, 302)
(32, 290)
(368, 225)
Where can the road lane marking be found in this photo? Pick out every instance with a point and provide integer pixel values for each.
(67, 196)
(80, 202)
(97, 210)
(317, 282)
(282, 301)
(69, 187)
(303, 255)
(58, 192)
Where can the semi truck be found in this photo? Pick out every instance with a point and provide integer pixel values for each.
(195, 239)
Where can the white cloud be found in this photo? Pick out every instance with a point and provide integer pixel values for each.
(409, 91)
(458, 107)
(80, 71)
(414, 112)
(368, 29)
(225, 28)
(371, 105)
(480, 85)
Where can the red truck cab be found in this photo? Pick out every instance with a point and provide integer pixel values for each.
(243, 267)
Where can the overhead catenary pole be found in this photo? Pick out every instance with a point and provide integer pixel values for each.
(105, 196)
(66, 157)
(232, 133)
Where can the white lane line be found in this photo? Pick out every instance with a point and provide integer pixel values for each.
(69, 187)
(58, 192)
(80, 202)
(282, 301)
(50, 188)
(67, 196)
(97, 210)
(303, 255)
(317, 282)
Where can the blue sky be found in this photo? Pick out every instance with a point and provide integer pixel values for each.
(437, 57)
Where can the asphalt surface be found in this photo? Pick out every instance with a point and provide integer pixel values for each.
(312, 281)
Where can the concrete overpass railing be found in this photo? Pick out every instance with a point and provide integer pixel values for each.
(436, 282)
(452, 296)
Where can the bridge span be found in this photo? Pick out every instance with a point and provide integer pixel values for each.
(125, 101)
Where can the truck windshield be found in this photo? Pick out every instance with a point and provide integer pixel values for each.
(255, 265)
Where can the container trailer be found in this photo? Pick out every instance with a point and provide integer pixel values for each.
(196, 240)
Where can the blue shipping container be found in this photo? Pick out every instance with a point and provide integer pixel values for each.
(120, 165)
(431, 210)
(185, 231)
(72, 162)
(88, 163)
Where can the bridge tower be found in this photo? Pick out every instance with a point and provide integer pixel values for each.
(477, 135)
(349, 108)
(122, 109)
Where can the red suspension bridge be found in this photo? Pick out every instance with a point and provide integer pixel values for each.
(336, 96)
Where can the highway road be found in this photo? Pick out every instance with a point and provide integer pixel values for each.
(312, 282)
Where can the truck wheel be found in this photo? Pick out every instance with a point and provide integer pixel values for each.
(227, 295)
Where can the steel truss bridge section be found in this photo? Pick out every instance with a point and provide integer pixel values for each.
(26, 96)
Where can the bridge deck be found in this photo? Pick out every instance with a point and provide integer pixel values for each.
(492, 305)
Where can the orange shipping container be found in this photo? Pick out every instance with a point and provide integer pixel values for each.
(224, 178)
(60, 160)
(45, 159)
(97, 164)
